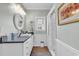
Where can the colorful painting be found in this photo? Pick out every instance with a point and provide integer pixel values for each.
(67, 10)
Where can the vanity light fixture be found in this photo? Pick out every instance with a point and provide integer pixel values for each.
(17, 8)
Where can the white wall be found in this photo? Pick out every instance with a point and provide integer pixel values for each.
(6, 20)
(69, 35)
(31, 14)
(63, 49)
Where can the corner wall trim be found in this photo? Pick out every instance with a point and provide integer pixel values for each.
(52, 52)
(68, 47)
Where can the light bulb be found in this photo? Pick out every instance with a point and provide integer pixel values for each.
(17, 9)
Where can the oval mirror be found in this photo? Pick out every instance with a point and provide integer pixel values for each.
(18, 21)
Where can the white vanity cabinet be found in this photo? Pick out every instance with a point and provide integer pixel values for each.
(17, 49)
(12, 49)
(0, 49)
(27, 47)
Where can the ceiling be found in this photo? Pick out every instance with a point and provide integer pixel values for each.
(37, 6)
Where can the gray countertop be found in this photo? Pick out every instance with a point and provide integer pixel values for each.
(21, 39)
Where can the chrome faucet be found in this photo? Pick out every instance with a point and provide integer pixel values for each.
(22, 32)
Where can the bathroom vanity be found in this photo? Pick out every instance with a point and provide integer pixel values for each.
(21, 46)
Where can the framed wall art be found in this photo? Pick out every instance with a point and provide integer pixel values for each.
(68, 13)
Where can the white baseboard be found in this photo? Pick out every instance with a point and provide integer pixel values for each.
(65, 49)
(52, 53)
(39, 45)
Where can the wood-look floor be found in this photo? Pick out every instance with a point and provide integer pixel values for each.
(40, 51)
